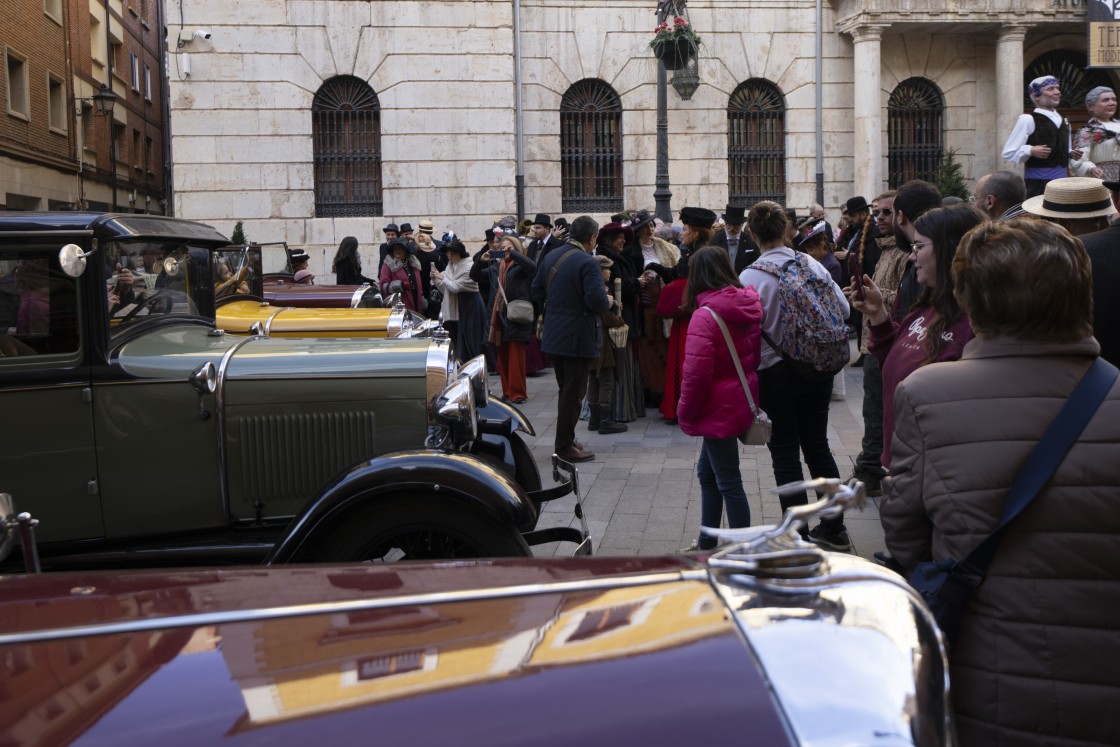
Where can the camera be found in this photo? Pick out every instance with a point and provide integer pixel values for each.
(202, 34)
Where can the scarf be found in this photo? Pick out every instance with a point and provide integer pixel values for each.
(499, 308)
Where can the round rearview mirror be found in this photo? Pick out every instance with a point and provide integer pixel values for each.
(72, 260)
(171, 267)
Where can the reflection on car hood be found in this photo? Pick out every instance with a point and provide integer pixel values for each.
(239, 316)
(600, 651)
(173, 352)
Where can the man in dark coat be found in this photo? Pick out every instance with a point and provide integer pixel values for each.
(392, 231)
(738, 243)
(543, 239)
(1104, 254)
(568, 285)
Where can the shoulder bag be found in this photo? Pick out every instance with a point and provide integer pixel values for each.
(946, 585)
(517, 311)
(761, 427)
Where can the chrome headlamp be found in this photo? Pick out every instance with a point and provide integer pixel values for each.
(455, 410)
(475, 371)
(402, 321)
(440, 366)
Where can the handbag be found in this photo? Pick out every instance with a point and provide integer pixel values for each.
(761, 427)
(619, 335)
(517, 311)
(946, 585)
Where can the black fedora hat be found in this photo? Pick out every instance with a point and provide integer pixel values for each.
(406, 228)
(855, 204)
(642, 218)
(392, 227)
(542, 220)
(735, 215)
(698, 217)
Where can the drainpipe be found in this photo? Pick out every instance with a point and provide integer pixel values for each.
(820, 109)
(112, 121)
(518, 113)
(165, 107)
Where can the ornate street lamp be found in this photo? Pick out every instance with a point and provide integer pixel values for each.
(103, 101)
(685, 81)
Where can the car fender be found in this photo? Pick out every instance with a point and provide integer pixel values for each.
(495, 409)
(422, 475)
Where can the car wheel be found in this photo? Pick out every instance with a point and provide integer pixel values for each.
(418, 529)
(527, 474)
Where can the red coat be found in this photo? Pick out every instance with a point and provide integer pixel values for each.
(712, 402)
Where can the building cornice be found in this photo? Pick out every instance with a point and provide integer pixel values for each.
(852, 15)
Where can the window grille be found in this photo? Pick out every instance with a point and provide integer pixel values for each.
(756, 144)
(346, 132)
(591, 148)
(915, 132)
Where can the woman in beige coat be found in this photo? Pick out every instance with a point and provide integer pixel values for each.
(1037, 658)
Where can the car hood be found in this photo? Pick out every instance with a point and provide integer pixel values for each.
(239, 316)
(174, 352)
(600, 651)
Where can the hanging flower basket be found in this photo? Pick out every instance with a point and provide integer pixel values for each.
(675, 45)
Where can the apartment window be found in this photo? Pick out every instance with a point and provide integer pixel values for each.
(591, 148)
(18, 101)
(134, 69)
(116, 58)
(134, 156)
(346, 142)
(96, 42)
(147, 83)
(148, 156)
(53, 8)
(56, 103)
(915, 132)
(756, 144)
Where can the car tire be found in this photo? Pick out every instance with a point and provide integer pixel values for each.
(527, 474)
(415, 528)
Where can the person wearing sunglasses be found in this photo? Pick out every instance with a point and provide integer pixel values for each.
(935, 329)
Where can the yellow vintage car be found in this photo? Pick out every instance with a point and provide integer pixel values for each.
(243, 302)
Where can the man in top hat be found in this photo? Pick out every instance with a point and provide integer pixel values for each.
(1041, 139)
(541, 230)
(1104, 254)
(738, 244)
(406, 231)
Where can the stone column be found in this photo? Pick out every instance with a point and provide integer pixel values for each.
(867, 110)
(1009, 85)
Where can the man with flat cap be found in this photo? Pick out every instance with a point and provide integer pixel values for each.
(738, 244)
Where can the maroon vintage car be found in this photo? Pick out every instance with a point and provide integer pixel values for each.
(769, 641)
(280, 288)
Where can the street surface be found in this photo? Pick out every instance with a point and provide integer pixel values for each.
(640, 493)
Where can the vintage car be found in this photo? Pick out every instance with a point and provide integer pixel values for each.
(767, 642)
(137, 432)
(280, 289)
(245, 300)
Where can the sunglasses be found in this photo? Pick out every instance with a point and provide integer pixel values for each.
(883, 211)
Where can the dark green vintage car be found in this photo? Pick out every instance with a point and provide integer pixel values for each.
(138, 433)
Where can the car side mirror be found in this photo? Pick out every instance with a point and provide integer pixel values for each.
(204, 380)
(73, 260)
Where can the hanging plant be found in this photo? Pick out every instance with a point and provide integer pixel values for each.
(675, 45)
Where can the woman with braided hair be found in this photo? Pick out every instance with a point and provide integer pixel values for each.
(863, 255)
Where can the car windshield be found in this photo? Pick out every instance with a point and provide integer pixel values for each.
(155, 278)
(237, 272)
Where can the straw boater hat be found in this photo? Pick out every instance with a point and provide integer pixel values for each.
(1072, 197)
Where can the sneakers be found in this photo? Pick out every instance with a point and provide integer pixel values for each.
(833, 540)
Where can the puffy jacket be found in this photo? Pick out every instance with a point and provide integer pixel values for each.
(712, 402)
(1038, 652)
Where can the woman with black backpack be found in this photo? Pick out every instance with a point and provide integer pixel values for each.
(794, 382)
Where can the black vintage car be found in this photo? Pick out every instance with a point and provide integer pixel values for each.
(138, 433)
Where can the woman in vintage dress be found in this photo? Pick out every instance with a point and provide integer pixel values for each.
(1100, 150)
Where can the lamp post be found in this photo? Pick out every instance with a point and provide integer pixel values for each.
(101, 105)
(662, 195)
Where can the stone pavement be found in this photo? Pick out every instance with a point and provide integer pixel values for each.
(641, 495)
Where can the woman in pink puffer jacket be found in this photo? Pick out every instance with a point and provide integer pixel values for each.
(713, 403)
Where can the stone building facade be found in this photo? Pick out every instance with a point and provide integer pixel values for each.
(311, 120)
(56, 151)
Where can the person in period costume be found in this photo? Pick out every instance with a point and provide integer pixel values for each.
(651, 335)
(463, 311)
(1040, 141)
(738, 243)
(509, 276)
(1097, 139)
(627, 402)
(600, 378)
(400, 273)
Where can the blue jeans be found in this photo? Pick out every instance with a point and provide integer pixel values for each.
(798, 410)
(720, 485)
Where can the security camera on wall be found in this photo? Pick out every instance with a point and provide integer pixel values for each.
(202, 34)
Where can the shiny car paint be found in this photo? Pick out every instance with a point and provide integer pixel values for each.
(586, 651)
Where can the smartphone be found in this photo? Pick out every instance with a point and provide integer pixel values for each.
(497, 254)
(857, 271)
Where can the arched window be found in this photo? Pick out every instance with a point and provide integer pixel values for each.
(915, 132)
(591, 148)
(756, 144)
(346, 130)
